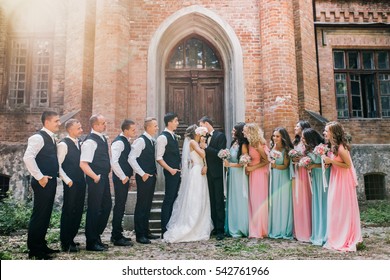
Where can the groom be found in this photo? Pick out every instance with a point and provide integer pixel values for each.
(215, 142)
(168, 156)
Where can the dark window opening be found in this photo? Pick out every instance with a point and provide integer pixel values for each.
(374, 185)
(4, 186)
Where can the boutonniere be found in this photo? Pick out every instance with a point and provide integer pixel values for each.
(177, 136)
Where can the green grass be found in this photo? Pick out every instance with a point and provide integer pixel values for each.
(375, 212)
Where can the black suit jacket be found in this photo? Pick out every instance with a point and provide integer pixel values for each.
(214, 163)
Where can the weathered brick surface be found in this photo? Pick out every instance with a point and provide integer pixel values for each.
(100, 60)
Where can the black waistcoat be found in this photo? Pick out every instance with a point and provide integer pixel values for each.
(124, 157)
(101, 159)
(147, 158)
(71, 163)
(46, 159)
(172, 153)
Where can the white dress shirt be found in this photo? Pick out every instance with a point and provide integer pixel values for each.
(89, 147)
(116, 149)
(136, 150)
(34, 145)
(62, 151)
(162, 142)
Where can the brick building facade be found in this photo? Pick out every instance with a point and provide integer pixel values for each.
(272, 62)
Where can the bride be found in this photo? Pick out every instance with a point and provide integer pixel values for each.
(191, 217)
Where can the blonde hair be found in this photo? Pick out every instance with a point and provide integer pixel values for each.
(148, 120)
(255, 135)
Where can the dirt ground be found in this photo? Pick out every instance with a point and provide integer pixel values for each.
(376, 246)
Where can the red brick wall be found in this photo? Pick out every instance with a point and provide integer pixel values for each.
(363, 131)
(80, 44)
(278, 65)
(308, 97)
(3, 40)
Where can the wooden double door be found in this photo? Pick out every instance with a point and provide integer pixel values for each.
(193, 94)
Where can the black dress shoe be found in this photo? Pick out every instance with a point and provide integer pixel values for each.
(70, 248)
(220, 236)
(143, 240)
(96, 247)
(47, 250)
(152, 236)
(122, 242)
(99, 241)
(39, 256)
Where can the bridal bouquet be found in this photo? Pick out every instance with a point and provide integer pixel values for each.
(294, 153)
(305, 162)
(245, 159)
(224, 154)
(321, 150)
(201, 131)
(274, 154)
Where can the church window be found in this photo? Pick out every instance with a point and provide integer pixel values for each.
(362, 83)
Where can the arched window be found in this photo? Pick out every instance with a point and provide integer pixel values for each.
(194, 53)
(374, 185)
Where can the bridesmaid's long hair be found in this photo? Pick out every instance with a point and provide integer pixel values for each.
(239, 137)
(303, 124)
(312, 139)
(286, 140)
(255, 135)
(338, 137)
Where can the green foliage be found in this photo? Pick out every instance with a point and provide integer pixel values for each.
(375, 212)
(14, 215)
(5, 255)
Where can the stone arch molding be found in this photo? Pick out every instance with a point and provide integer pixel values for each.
(197, 20)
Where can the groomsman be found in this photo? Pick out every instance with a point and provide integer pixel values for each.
(168, 156)
(73, 180)
(41, 161)
(95, 162)
(215, 142)
(122, 171)
(142, 160)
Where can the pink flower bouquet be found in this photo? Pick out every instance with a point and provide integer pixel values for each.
(321, 150)
(274, 154)
(245, 159)
(224, 154)
(305, 162)
(294, 153)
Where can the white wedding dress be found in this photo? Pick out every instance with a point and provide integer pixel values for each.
(191, 214)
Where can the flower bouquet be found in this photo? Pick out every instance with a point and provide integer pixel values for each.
(245, 159)
(224, 154)
(305, 162)
(294, 153)
(321, 150)
(201, 131)
(274, 154)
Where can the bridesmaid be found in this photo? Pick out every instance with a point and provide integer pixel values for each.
(311, 139)
(344, 230)
(258, 171)
(301, 190)
(280, 196)
(237, 222)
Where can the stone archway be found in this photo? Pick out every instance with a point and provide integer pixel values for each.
(197, 20)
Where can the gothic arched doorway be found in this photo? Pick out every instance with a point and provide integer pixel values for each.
(194, 82)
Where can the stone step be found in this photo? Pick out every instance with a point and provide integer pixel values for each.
(155, 214)
(155, 225)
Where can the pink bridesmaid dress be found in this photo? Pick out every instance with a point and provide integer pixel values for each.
(344, 230)
(258, 196)
(302, 202)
